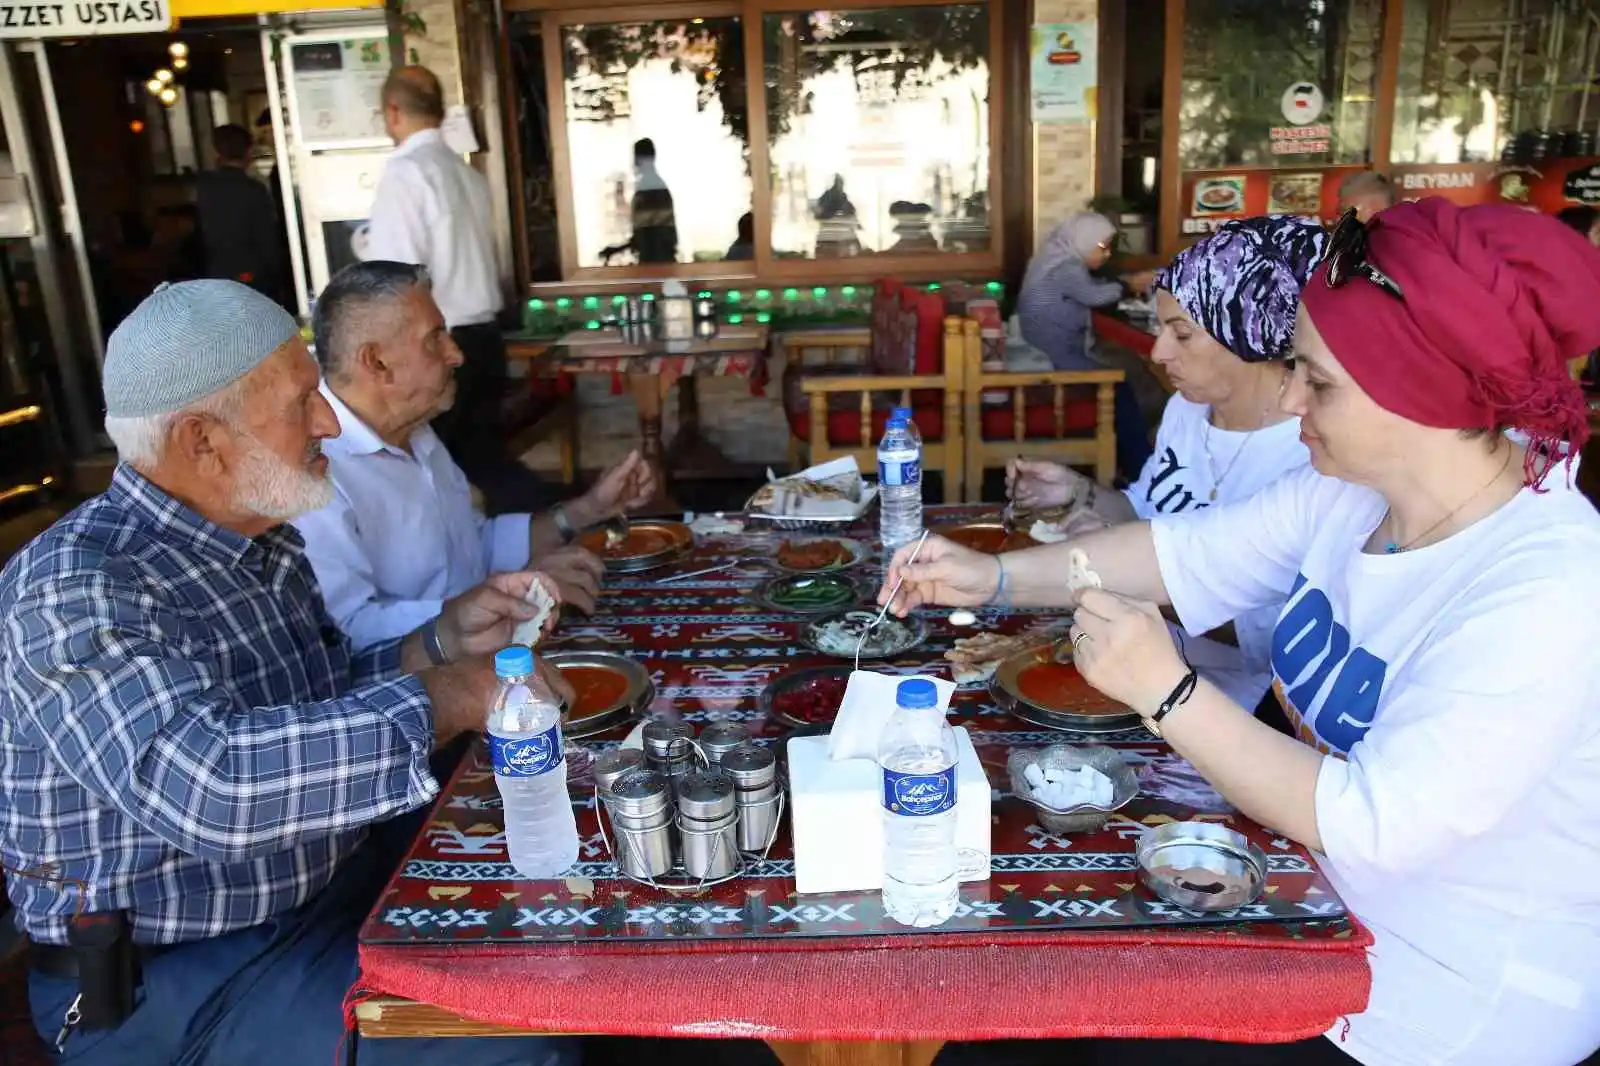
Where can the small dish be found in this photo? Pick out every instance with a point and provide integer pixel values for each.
(806, 698)
(796, 555)
(838, 634)
(1201, 866)
(611, 689)
(1074, 706)
(989, 537)
(1084, 818)
(645, 545)
(808, 593)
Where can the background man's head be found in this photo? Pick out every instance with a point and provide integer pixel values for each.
(413, 100)
(1367, 192)
(384, 347)
(644, 150)
(232, 145)
(212, 395)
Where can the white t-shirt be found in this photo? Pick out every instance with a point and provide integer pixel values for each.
(1178, 478)
(1458, 687)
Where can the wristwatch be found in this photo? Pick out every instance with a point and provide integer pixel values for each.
(564, 526)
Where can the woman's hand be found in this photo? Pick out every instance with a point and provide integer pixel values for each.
(1123, 648)
(945, 575)
(1140, 281)
(1035, 484)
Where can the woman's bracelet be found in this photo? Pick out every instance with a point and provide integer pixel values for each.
(998, 597)
(1175, 699)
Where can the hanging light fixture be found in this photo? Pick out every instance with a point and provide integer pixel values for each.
(178, 49)
(180, 63)
(169, 96)
(154, 86)
(164, 76)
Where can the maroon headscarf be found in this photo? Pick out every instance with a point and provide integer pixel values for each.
(1496, 300)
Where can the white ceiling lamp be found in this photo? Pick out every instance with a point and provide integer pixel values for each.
(180, 63)
(169, 96)
(178, 49)
(164, 77)
(154, 86)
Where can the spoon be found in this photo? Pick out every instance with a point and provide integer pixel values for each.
(884, 610)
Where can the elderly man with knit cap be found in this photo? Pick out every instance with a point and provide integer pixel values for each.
(188, 745)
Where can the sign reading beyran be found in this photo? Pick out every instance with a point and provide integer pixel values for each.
(81, 18)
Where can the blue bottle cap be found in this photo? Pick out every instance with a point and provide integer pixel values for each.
(916, 694)
(515, 661)
(903, 413)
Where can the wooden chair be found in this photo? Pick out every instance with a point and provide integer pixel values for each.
(941, 425)
(1065, 415)
(827, 350)
(534, 406)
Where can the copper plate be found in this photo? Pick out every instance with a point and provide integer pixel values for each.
(991, 538)
(671, 540)
(634, 699)
(1105, 717)
(857, 550)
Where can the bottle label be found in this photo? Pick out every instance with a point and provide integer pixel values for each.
(900, 472)
(526, 756)
(919, 795)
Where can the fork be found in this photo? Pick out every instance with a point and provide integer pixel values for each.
(884, 610)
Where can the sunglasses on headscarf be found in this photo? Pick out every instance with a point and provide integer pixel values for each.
(1347, 257)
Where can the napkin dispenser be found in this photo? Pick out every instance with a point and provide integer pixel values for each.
(836, 817)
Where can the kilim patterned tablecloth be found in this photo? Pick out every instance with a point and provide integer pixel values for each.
(711, 650)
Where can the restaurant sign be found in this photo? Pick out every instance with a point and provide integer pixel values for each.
(20, 20)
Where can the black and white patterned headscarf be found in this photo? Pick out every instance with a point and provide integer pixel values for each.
(1242, 283)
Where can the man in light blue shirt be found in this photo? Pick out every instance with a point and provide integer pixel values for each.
(402, 534)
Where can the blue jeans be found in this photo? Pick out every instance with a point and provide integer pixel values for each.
(273, 993)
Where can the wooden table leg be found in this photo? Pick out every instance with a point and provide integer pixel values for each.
(856, 1053)
(648, 391)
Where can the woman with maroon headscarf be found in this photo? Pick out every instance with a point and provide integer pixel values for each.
(1436, 651)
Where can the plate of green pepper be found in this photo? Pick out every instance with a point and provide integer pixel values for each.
(808, 593)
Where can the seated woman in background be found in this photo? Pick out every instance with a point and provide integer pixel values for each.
(1227, 312)
(1436, 650)
(1054, 310)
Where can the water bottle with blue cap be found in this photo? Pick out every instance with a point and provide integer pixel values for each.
(899, 485)
(530, 767)
(917, 754)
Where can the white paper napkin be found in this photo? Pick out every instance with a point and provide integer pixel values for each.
(869, 700)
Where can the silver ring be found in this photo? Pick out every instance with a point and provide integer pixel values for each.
(1076, 639)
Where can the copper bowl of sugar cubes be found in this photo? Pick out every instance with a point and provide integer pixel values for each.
(1072, 789)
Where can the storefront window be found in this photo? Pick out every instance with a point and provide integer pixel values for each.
(1483, 82)
(1278, 82)
(657, 141)
(878, 123)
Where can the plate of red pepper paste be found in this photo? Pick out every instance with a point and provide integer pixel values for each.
(1042, 686)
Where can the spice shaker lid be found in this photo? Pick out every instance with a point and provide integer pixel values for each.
(641, 793)
(724, 736)
(705, 795)
(750, 765)
(613, 764)
(663, 739)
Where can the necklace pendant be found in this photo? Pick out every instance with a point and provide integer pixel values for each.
(1213, 494)
(1392, 548)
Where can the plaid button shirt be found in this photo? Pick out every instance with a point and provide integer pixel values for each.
(183, 730)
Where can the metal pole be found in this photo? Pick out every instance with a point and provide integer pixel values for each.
(71, 220)
(47, 262)
(280, 145)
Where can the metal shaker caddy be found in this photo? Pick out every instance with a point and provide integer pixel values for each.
(686, 813)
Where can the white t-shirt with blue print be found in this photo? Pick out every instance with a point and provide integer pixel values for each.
(1457, 687)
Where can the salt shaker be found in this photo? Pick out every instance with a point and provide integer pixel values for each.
(754, 772)
(666, 747)
(721, 738)
(611, 765)
(708, 824)
(640, 805)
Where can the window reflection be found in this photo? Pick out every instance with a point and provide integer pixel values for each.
(1278, 82)
(657, 140)
(879, 130)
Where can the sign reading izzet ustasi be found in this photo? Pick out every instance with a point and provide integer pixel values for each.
(81, 18)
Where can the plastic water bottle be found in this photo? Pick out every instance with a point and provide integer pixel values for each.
(899, 486)
(530, 767)
(918, 757)
(904, 413)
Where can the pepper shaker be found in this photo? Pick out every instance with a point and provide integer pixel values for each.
(754, 772)
(640, 805)
(708, 825)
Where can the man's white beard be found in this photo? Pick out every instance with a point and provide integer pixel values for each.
(269, 487)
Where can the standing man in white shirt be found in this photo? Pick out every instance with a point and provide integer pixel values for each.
(402, 535)
(432, 209)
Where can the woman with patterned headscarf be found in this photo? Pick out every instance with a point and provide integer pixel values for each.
(1436, 646)
(1226, 307)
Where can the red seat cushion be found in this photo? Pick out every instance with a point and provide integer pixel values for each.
(1039, 418)
(844, 418)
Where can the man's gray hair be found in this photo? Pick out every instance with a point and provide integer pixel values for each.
(1367, 183)
(141, 439)
(343, 319)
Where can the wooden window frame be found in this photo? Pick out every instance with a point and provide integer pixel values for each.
(765, 268)
(1169, 240)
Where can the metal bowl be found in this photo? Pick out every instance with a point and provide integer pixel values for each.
(1084, 818)
(1201, 866)
(675, 540)
(771, 593)
(1106, 717)
(915, 629)
(799, 679)
(634, 699)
